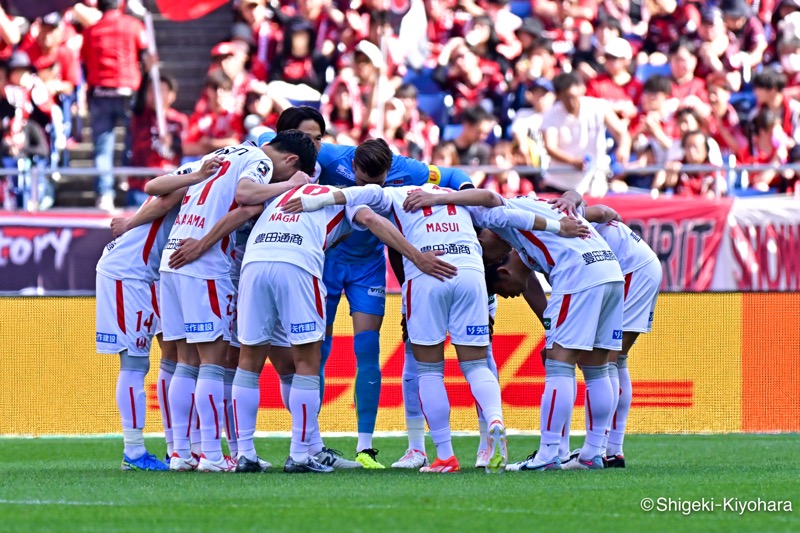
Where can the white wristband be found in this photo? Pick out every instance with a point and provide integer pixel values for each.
(317, 201)
(553, 226)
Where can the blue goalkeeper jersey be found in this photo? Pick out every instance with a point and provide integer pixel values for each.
(336, 164)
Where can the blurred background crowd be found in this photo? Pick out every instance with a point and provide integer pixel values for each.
(595, 95)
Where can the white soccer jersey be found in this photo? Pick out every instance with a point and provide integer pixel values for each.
(207, 202)
(572, 265)
(299, 238)
(447, 228)
(631, 251)
(136, 254)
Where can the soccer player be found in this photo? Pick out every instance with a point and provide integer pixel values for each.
(128, 318)
(582, 318)
(357, 267)
(457, 306)
(197, 298)
(642, 273)
(281, 303)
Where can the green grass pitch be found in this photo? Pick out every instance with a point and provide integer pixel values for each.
(76, 485)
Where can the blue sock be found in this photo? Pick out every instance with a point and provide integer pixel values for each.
(368, 379)
(327, 344)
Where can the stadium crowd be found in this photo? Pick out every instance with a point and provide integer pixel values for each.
(582, 93)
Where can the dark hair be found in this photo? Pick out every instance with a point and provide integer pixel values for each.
(492, 274)
(475, 115)
(770, 78)
(565, 81)
(406, 90)
(298, 143)
(682, 42)
(689, 134)
(604, 19)
(170, 80)
(373, 157)
(688, 111)
(291, 118)
(107, 5)
(764, 120)
(216, 79)
(657, 84)
(543, 43)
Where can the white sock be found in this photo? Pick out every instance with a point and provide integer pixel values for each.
(436, 406)
(304, 403)
(620, 419)
(364, 441)
(483, 429)
(416, 433)
(230, 430)
(245, 396)
(564, 449)
(598, 409)
(613, 376)
(131, 404)
(181, 407)
(209, 396)
(485, 389)
(194, 431)
(165, 372)
(557, 402)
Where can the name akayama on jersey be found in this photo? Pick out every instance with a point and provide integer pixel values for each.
(189, 219)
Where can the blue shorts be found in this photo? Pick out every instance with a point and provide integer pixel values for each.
(364, 285)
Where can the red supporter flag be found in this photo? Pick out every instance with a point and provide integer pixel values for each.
(188, 9)
(33, 10)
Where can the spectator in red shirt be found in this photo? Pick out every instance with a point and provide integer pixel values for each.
(297, 61)
(789, 58)
(668, 22)
(148, 148)
(265, 34)
(617, 85)
(344, 111)
(393, 132)
(723, 120)
(653, 130)
(769, 145)
(745, 30)
(589, 57)
(112, 49)
(769, 85)
(217, 127)
(682, 62)
(230, 58)
(698, 183)
(714, 48)
(476, 126)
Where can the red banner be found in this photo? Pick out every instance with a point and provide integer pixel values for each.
(179, 10)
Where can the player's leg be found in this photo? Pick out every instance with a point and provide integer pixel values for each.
(181, 405)
(483, 455)
(564, 449)
(594, 365)
(415, 456)
(468, 325)
(638, 313)
(230, 372)
(169, 360)
(365, 288)
(212, 314)
(256, 321)
(299, 298)
(427, 302)
(332, 278)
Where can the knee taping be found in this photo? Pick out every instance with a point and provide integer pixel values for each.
(467, 367)
(168, 366)
(305, 382)
(211, 372)
(613, 370)
(622, 361)
(430, 368)
(134, 363)
(594, 372)
(558, 368)
(245, 378)
(182, 370)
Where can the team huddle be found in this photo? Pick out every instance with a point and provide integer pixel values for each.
(243, 256)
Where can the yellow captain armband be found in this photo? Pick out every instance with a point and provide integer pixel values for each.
(435, 175)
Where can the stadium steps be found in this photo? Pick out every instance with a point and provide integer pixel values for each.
(184, 52)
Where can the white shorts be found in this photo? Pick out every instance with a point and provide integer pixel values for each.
(457, 305)
(641, 292)
(156, 294)
(198, 310)
(280, 304)
(126, 319)
(587, 319)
